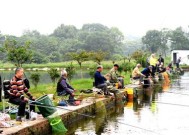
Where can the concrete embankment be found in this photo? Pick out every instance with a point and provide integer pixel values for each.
(88, 107)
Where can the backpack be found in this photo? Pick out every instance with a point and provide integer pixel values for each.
(27, 83)
(6, 88)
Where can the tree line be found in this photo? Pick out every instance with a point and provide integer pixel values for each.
(65, 39)
(165, 40)
(94, 42)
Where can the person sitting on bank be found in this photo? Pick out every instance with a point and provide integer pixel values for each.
(100, 81)
(64, 88)
(17, 90)
(136, 74)
(115, 78)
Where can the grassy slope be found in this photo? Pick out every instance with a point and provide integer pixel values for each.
(87, 64)
(78, 84)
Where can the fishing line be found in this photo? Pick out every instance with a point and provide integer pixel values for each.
(171, 104)
(138, 127)
(176, 93)
(160, 85)
(48, 106)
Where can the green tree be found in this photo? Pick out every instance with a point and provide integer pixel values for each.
(39, 58)
(126, 67)
(98, 56)
(65, 32)
(152, 40)
(71, 71)
(35, 78)
(54, 75)
(165, 36)
(94, 27)
(116, 57)
(80, 57)
(98, 36)
(140, 57)
(18, 54)
(179, 39)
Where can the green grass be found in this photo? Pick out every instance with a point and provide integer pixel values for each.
(86, 64)
(78, 84)
(50, 88)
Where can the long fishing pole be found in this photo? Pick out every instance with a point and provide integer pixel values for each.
(176, 93)
(138, 127)
(49, 106)
(181, 105)
(148, 84)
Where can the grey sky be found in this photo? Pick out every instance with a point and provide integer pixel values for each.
(133, 17)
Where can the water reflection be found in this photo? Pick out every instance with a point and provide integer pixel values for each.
(147, 114)
(98, 125)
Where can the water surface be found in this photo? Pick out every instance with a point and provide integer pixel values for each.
(156, 111)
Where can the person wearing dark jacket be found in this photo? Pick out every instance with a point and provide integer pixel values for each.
(64, 88)
(161, 60)
(147, 72)
(100, 80)
(17, 91)
(178, 62)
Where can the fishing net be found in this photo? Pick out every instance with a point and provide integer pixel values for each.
(100, 107)
(57, 125)
(45, 106)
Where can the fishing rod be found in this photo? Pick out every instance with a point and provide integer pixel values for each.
(181, 105)
(176, 93)
(171, 86)
(138, 127)
(49, 106)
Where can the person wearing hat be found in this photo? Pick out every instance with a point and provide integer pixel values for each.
(114, 76)
(64, 88)
(100, 81)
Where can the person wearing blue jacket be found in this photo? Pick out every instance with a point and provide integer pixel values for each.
(147, 72)
(100, 81)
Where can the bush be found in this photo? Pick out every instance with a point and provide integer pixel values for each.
(92, 72)
(70, 70)
(140, 57)
(54, 74)
(127, 67)
(35, 77)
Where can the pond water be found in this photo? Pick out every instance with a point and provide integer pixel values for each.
(44, 76)
(158, 111)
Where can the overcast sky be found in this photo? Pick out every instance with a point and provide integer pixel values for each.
(132, 17)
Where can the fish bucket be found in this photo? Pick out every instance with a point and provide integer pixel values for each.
(45, 106)
(57, 125)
